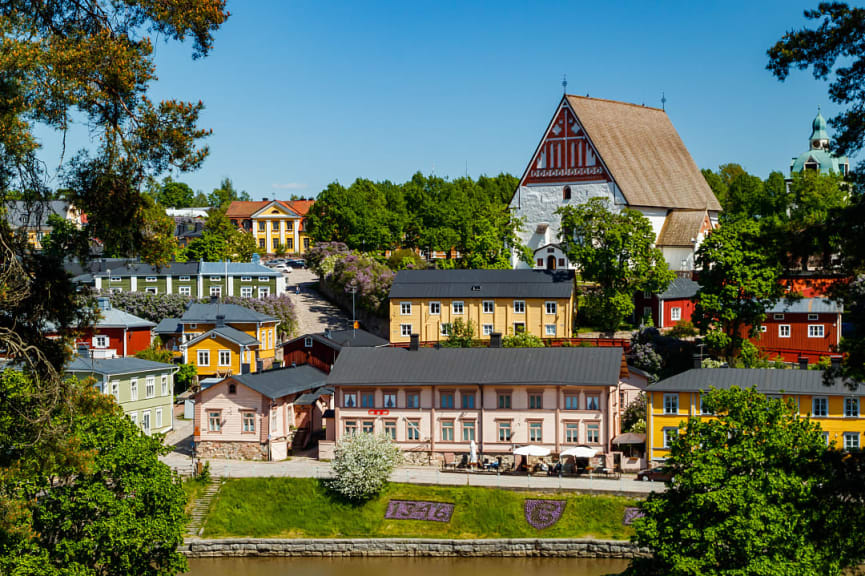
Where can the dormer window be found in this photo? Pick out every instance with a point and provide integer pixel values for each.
(476, 288)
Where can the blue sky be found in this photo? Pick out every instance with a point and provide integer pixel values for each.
(300, 94)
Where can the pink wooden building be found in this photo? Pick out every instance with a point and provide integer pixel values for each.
(261, 415)
(436, 401)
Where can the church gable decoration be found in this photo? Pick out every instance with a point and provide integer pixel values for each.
(275, 208)
(565, 155)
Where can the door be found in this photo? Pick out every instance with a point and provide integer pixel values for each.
(551, 262)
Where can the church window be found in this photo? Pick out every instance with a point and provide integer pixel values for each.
(566, 193)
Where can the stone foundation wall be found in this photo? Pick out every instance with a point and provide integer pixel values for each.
(231, 450)
(528, 547)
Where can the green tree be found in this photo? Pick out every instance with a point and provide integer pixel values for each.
(74, 474)
(634, 416)
(200, 200)
(185, 378)
(717, 184)
(739, 282)
(225, 194)
(101, 481)
(462, 334)
(616, 251)
(750, 496)
(155, 353)
(174, 194)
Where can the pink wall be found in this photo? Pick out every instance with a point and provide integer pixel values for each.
(216, 397)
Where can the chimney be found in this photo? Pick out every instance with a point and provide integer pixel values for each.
(414, 342)
(803, 362)
(698, 361)
(836, 362)
(84, 351)
(220, 320)
(496, 340)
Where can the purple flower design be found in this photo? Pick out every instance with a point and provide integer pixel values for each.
(419, 510)
(542, 514)
(632, 513)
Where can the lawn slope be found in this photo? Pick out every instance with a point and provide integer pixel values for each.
(304, 508)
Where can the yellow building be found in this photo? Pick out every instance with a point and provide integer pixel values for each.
(672, 401)
(428, 302)
(224, 339)
(273, 223)
(32, 219)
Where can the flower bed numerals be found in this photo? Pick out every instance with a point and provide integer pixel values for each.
(419, 510)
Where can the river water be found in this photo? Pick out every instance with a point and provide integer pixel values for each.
(404, 567)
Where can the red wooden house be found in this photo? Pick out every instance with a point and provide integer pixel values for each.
(116, 333)
(809, 328)
(674, 304)
(321, 350)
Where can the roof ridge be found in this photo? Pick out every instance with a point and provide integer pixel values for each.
(641, 106)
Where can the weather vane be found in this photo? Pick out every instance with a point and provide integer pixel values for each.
(663, 102)
(564, 83)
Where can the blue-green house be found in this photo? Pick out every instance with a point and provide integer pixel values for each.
(143, 388)
(818, 157)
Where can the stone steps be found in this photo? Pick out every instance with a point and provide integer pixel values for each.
(201, 507)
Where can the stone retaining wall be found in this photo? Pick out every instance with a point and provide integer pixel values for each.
(522, 547)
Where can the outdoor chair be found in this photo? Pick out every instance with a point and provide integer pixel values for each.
(449, 461)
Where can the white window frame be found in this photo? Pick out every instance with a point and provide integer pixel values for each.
(782, 328)
(667, 436)
(115, 390)
(519, 306)
(101, 341)
(489, 306)
(151, 290)
(115, 290)
(445, 329)
(763, 328)
(851, 413)
(405, 329)
(435, 308)
(222, 363)
(813, 329)
(115, 279)
(164, 384)
(551, 308)
(488, 329)
(216, 278)
(216, 290)
(825, 406)
(458, 307)
(158, 418)
(549, 329)
(851, 440)
(133, 389)
(246, 291)
(307, 342)
(150, 278)
(150, 387)
(205, 354)
(145, 421)
(184, 290)
(183, 278)
(263, 279)
(675, 313)
(134, 417)
(263, 291)
(596, 428)
(246, 278)
(778, 316)
(523, 324)
(813, 317)
(671, 407)
(405, 308)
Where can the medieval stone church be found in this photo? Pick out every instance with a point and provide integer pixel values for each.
(627, 153)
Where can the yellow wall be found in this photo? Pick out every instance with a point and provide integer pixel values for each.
(214, 345)
(266, 339)
(503, 318)
(836, 424)
(279, 227)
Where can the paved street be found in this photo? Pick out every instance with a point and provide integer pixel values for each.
(314, 312)
(310, 468)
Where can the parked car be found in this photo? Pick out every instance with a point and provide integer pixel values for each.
(274, 263)
(659, 474)
(296, 263)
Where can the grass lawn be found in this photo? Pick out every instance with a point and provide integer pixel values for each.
(304, 508)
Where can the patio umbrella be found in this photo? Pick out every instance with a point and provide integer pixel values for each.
(473, 453)
(579, 452)
(532, 450)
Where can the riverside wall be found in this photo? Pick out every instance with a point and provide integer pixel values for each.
(416, 547)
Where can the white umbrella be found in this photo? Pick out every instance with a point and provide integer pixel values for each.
(532, 450)
(579, 452)
(473, 453)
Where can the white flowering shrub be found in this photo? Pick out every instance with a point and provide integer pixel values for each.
(362, 465)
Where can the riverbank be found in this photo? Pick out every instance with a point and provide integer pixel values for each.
(402, 547)
(305, 508)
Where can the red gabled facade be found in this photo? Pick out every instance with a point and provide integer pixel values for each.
(309, 350)
(135, 339)
(794, 335)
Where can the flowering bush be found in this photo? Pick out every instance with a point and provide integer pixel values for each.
(156, 307)
(362, 465)
(644, 357)
(320, 251)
